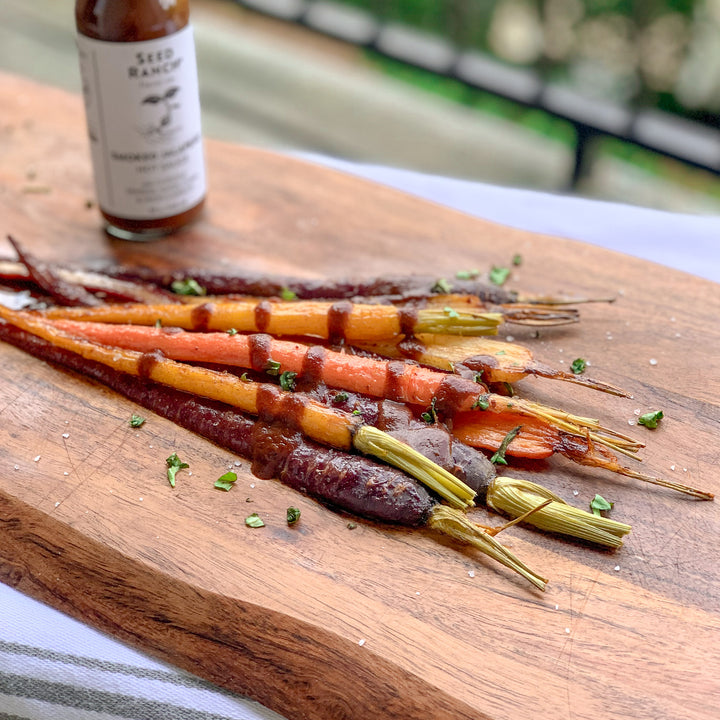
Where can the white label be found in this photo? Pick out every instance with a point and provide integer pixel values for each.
(143, 116)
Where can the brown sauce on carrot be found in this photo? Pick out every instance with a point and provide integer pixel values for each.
(408, 319)
(259, 346)
(411, 348)
(263, 314)
(394, 371)
(312, 366)
(200, 317)
(147, 362)
(337, 319)
(453, 394)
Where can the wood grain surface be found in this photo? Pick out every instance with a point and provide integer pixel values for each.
(90, 525)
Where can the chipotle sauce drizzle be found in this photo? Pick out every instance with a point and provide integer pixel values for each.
(259, 346)
(200, 317)
(263, 314)
(337, 319)
(147, 362)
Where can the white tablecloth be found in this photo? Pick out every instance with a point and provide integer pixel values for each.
(54, 668)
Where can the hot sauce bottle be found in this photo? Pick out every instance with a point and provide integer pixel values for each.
(139, 75)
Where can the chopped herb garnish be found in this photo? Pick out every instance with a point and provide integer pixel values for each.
(499, 457)
(136, 420)
(287, 380)
(293, 515)
(288, 294)
(441, 287)
(498, 275)
(651, 419)
(478, 377)
(158, 323)
(509, 389)
(232, 331)
(244, 377)
(254, 521)
(351, 525)
(517, 259)
(226, 481)
(187, 287)
(578, 366)
(430, 415)
(340, 397)
(174, 464)
(451, 312)
(467, 274)
(482, 403)
(501, 352)
(356, 412)
(599, 504)
(272, 367)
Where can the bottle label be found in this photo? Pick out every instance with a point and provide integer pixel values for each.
(143, 116)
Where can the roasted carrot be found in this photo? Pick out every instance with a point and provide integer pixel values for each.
(449, 394)
(268, 401)
(479, 419)
(496, 361)
(390, 286)
(349, 482)
(337, 322)
(61, 291)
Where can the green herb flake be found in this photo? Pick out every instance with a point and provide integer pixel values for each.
(173, 465)
(651, 419)
(226, 481)
(578, 366)
(499, 275)
(478, 377)
(136, 420)
(287, 380)
(288, 294)
(599, 505)
(245, 378)
(351, 525)
(340, 397)
(293, 515)
(451, 312)
(430, 415)
(509, 389)
(441, 287)
(356, 412)
(254, 521)
(272, 367)
(187, 287)
(499, 457)
(517, 260)
(232, 331)
(482, 403)
(467, 274)
(158, 323)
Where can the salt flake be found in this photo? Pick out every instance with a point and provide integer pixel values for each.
(361, 642)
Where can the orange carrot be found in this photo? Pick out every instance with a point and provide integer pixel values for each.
(335, 321)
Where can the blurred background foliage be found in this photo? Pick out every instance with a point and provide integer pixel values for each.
(639, 53)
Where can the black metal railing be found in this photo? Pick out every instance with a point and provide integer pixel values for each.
(603, 85)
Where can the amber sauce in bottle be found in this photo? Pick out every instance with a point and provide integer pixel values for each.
(162, 180)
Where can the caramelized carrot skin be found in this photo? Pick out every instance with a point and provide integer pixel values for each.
(486, 429)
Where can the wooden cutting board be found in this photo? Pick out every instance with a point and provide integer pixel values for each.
(320, 620)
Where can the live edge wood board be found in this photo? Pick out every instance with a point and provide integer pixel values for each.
(320, 620)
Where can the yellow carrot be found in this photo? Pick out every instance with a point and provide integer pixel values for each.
(334, 321)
